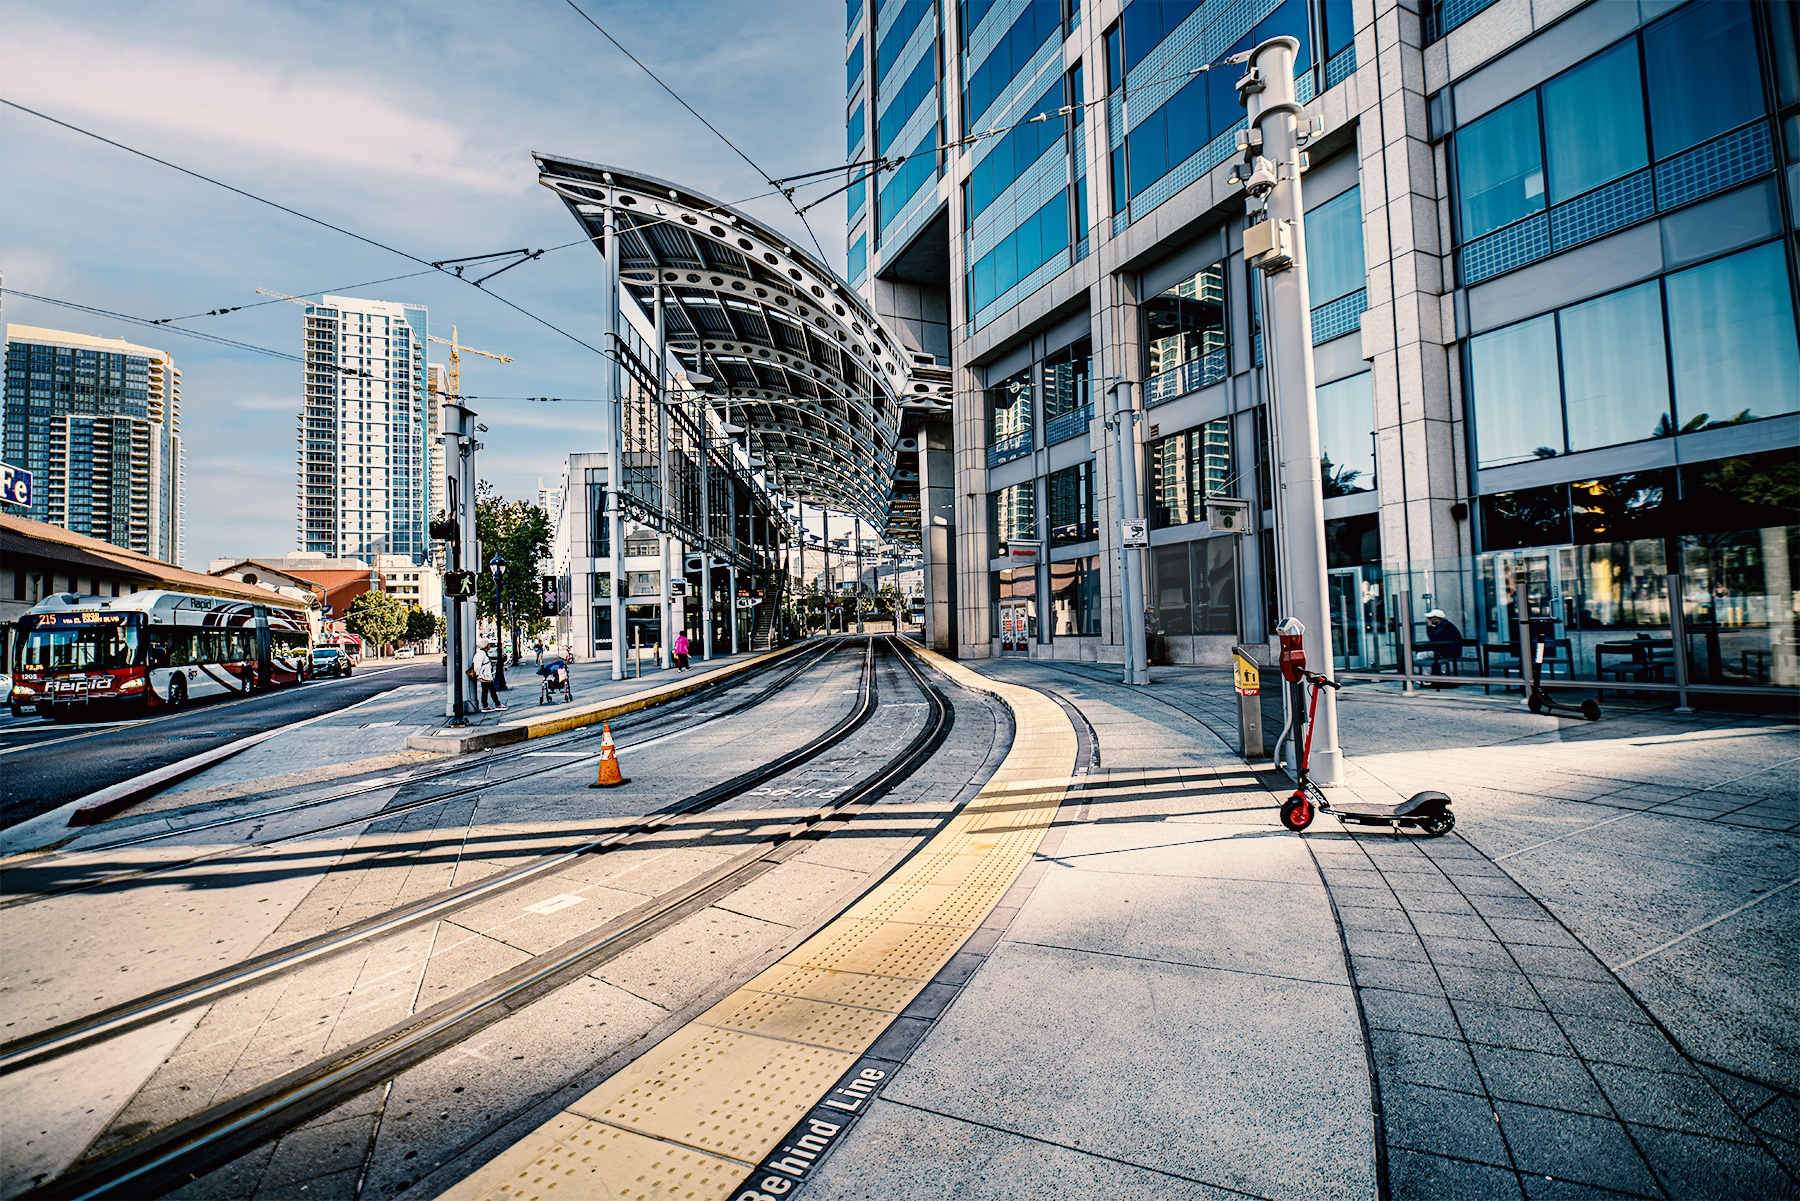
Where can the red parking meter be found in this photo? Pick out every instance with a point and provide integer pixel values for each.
(1293, 649)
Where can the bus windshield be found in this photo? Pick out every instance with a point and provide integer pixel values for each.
(80, 648)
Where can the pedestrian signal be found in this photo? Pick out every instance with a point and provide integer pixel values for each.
(459, 585)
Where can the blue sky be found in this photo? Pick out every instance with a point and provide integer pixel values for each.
(411, 123)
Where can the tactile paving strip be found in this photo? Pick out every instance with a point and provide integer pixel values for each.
(692, 1117)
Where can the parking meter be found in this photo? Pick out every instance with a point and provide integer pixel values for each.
(1293, 649)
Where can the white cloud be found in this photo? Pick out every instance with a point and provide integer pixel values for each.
(252, 105)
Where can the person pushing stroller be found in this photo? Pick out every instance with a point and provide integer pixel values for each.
(554, 674)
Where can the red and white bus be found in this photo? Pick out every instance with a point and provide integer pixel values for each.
(152, 650)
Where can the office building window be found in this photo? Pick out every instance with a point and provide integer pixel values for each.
(1500, 168)
(1010, 411)
(1731, 331)
(1347, 436)
(1013, 156)
(1071, 503)
(1334, 248)
(1186, 324)
(1615, 374)
(1075, 597)
(1194, 587)
(1185, 469)
(1012, 515)
(1594, 123)
(1513, 385)
(1702, 74)
(1068, 404)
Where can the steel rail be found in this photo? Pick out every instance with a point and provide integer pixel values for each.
(221, 1132)
(56, 1041)
(675, 709)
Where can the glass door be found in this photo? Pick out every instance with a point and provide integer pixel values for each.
(1352, 628)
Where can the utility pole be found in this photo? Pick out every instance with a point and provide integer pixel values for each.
(615, 444)
(1123, 424)
(458, 441)
(1276, 245)
(665, 651)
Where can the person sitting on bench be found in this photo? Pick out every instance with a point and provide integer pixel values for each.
(1445, 639)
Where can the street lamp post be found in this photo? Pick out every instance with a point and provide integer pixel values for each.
(497, 569)
(1276, 246)
(1123, 424)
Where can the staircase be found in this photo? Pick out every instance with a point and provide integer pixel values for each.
(762, 634)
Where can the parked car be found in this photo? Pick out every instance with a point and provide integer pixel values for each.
(330, 661)
(406, 652)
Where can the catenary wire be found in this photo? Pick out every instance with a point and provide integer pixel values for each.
(293, 212)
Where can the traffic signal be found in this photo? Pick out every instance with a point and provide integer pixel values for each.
(459, 585)
(445, 529)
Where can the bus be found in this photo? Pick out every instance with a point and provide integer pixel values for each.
(152, 650)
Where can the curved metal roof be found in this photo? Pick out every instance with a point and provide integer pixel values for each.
(821, 387)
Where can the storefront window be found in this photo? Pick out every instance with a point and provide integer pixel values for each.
(1194, 587)
(1075, 597)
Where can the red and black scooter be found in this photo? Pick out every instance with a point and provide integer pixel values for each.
(1428, 812)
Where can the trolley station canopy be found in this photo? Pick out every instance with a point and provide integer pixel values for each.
(821, 387)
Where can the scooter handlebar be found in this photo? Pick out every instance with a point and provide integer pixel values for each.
(1317, 680)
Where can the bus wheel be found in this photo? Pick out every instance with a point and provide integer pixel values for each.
(177, 692)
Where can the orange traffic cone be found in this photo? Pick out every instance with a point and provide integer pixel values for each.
(608, 776)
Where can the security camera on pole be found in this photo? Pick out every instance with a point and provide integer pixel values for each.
(1275, 243)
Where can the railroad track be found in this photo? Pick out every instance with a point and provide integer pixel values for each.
(656, 726)
(225, 1130)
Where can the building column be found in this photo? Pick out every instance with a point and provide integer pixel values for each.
(937, 533)
(973, 538)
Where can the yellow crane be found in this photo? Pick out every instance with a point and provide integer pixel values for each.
(456, 349)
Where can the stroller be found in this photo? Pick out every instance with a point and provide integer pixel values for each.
(555, 676)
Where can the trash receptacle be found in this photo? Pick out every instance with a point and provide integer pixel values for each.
(1247, 663)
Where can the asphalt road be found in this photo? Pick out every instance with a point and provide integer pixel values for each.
(44, 764)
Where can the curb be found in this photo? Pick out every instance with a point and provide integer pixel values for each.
(463, 742)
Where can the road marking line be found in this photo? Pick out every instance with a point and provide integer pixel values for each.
(557, 754)
(561, 901)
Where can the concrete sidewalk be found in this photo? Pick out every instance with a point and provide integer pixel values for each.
(1586, 990)
(1168, 1014)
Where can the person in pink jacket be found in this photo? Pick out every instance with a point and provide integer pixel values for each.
(681, 652)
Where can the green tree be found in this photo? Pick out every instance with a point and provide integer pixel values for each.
(519, 532)
(421, 625)
(377, 618)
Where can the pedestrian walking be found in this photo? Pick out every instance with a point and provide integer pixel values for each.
(681, 652)
(537, 649)
(484, 668)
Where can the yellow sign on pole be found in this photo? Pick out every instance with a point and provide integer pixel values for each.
(1247, 678)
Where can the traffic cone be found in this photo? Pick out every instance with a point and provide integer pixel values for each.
(608, 776)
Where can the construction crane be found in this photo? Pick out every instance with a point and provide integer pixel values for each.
(456, 349)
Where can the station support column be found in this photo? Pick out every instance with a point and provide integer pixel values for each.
(1272, 179)
(615, 445)
(665, 650)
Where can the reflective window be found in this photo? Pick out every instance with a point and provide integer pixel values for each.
(1186, 322)
(1070, 498)
(1040, 238)
(859, 257)
(1518, 406)
(1615, 370)
(1347, 436)
(1013, 155)
(1066, 389)
(1014, 514)
(1185, 469)
(1499, 168)
(1075, 597)
(1172, 599)
(1621, 508)
(1594, 123)
(1731, 330)
(1041, 20)
(1009, 408)
(1193, 588)
(1702, 73)
(1334, 248)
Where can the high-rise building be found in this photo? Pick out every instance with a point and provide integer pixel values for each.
(365, 424)
(1552, 265)
(97, 422)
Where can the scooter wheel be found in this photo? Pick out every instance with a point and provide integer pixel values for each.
(1590, 709)
(1437, 826)
(1297, 813)
(1535, 703)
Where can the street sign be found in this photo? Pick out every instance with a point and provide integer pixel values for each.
(15, 486)
(1134, 531)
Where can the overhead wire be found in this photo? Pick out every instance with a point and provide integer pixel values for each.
(294, 212)
(736, 149)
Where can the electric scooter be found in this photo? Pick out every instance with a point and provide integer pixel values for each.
(1539, 701)
(1428, 812)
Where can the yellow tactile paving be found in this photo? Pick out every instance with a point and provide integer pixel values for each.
(693, 1116)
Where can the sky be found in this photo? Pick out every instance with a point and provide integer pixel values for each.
(410, 123)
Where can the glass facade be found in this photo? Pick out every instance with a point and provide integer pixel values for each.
(1010, 415)
(1346, 436)
(1012, 515)
(1185, 469)
(1068, 403)
(1075, 597)
(1194, 587)
(1070, 500)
